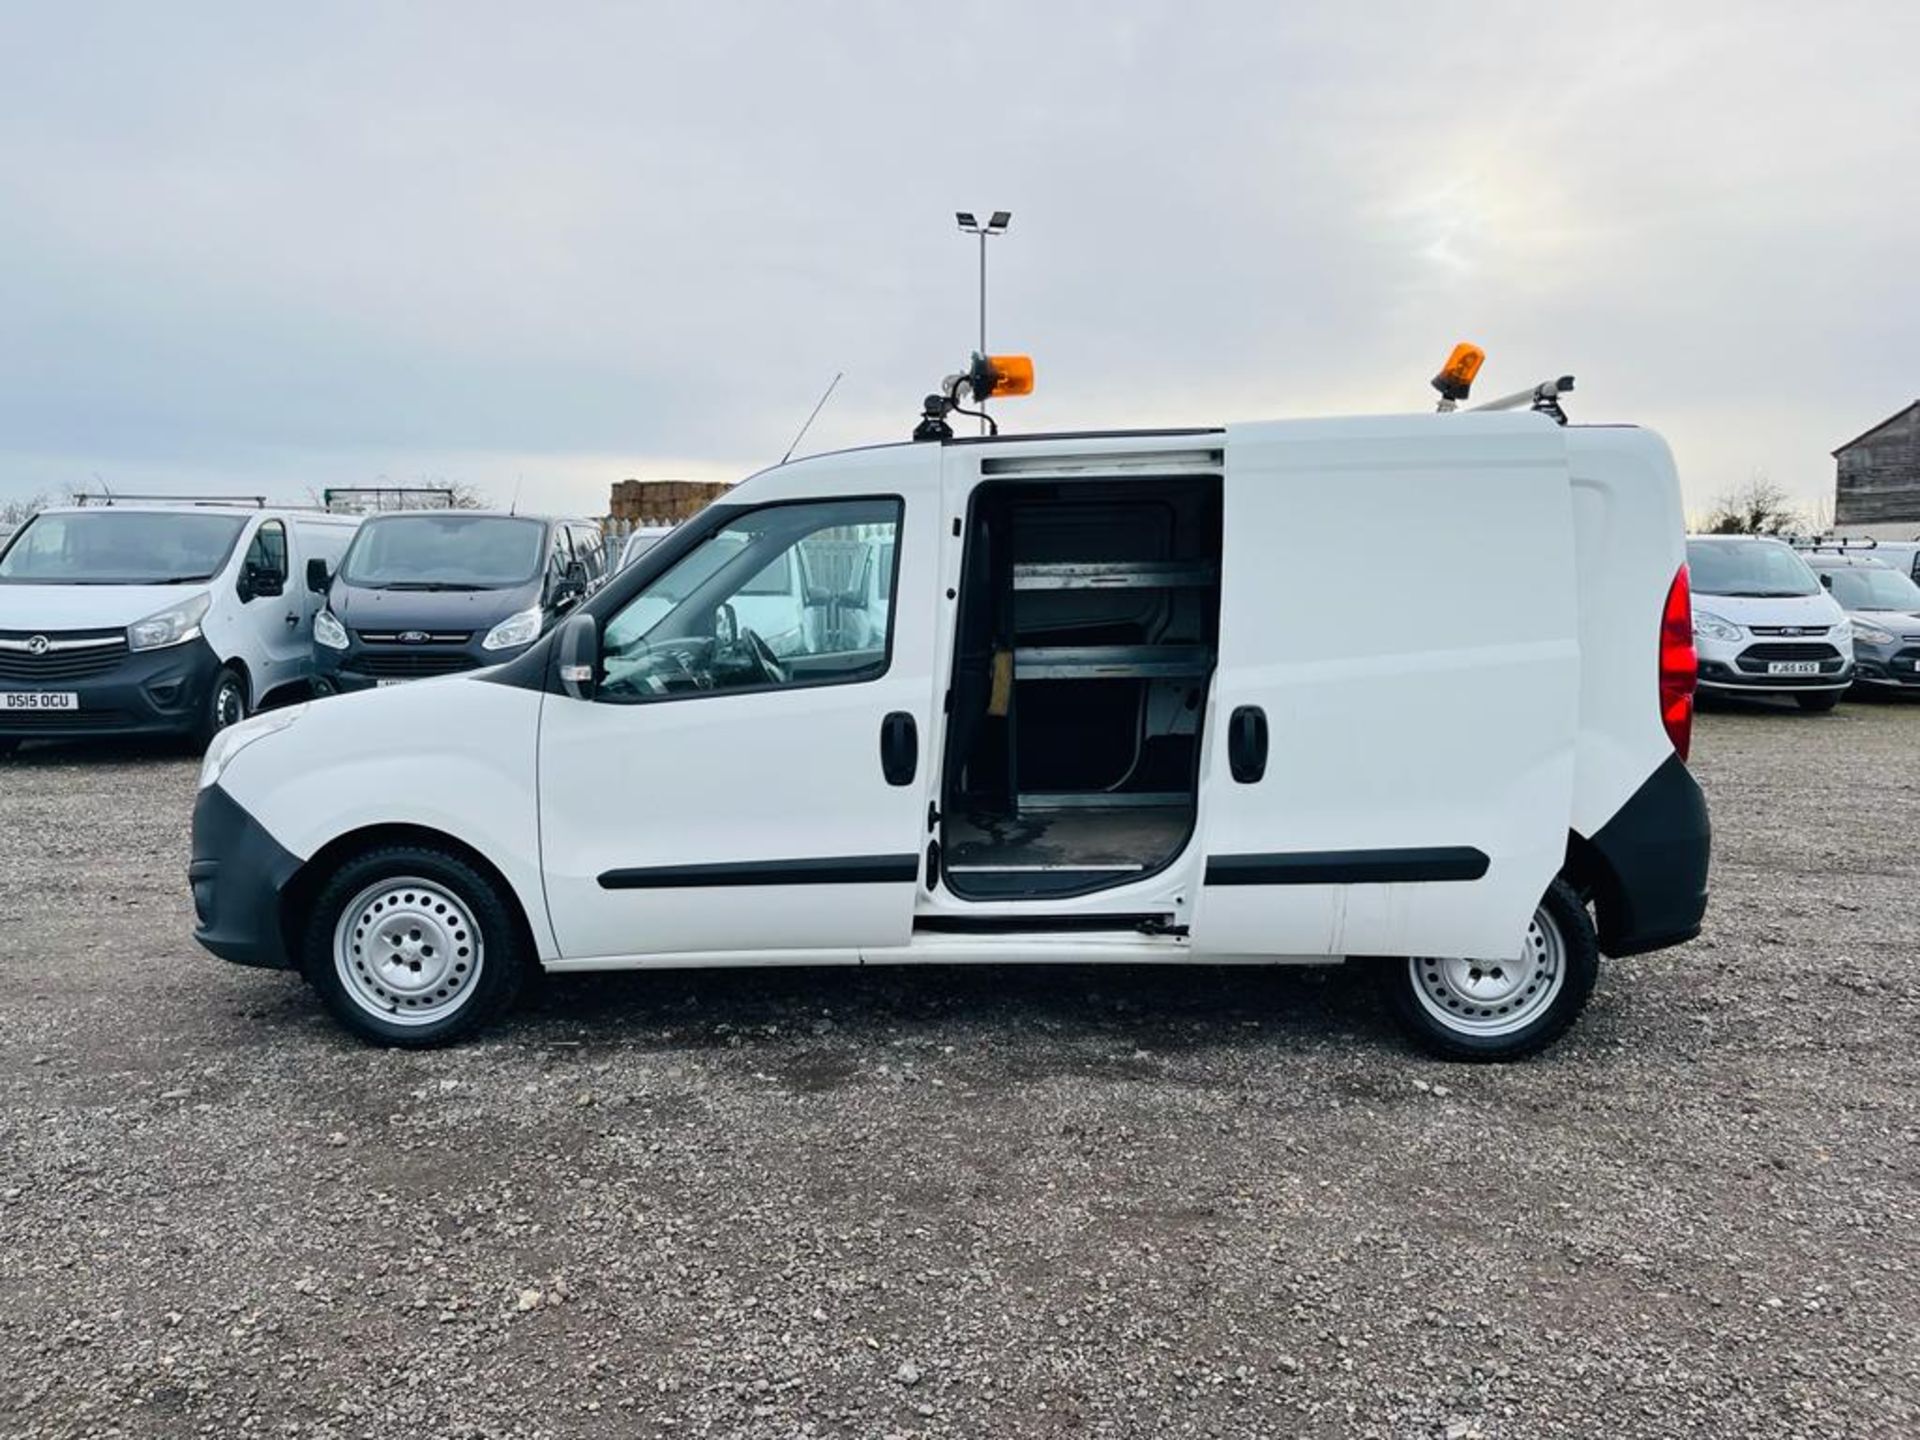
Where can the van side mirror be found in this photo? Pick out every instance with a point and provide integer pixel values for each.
(1826, 579)
(318, 576)
(576, 657)
(572, 585)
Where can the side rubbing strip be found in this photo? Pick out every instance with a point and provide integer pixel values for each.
(1348, 867)
(839, 870)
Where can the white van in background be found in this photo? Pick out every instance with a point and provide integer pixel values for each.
(1764, 625)
(148, 617)
(1105, 709)
(641, 539)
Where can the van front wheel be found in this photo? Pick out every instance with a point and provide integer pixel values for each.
(226, 705)
(1502, 1009)
(413, 947)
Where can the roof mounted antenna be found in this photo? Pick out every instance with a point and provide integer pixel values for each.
(986, 377)
(812, 415)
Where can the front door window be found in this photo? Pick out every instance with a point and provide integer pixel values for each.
(775, 599)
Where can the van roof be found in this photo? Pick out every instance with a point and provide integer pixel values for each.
(1832, 560)
(153, 506)
(438, 510)
(1153, 437)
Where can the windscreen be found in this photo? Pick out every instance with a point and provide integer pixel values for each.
(120, 547)
(444, 552)
(1873, 587)
(1753, 568)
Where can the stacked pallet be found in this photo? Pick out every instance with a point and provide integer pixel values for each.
(662, 502)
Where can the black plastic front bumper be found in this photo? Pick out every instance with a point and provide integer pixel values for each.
(1652, 888)
(239, 875)
(1895, 666)
(150, 692)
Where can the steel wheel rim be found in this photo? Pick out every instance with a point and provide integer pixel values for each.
(407, 951)
(1494, 997)
(227, 704)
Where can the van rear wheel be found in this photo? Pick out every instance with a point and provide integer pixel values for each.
(413, 947)
(1502, 1009)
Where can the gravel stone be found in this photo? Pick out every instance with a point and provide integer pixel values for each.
(1070, 1201)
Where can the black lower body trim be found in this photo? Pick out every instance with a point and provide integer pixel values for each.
(1349, 867)
(837, 870)
(1157, 923)
(239, 874)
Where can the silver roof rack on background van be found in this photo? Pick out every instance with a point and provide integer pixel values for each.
(370, 499)
(258, 502)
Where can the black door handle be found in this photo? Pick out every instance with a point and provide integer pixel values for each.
(1247, 744)
(899, 748)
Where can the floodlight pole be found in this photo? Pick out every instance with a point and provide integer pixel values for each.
(997, 222)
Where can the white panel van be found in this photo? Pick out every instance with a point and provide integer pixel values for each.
(1118, 700)
(142, 617)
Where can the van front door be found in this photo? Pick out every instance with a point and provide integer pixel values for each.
(734, 785)
(1390, 746)
(278, 640)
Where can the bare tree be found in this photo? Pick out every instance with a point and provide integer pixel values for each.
(1759, 507)
(14, 513)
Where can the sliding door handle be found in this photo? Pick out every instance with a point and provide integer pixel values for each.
(1247, 744)
(899, 748)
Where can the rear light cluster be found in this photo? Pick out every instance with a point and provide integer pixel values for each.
(1679, 664)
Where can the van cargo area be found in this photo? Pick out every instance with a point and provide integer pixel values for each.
(1087, 633)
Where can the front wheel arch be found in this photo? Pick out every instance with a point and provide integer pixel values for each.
(297, 899)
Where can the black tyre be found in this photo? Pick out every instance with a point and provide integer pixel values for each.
(1817, 702)
(414, 947)
(1501, 1010)
(226, 705)
(8, 746)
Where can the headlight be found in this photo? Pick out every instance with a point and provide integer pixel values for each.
(329, 631)
(235, 738)
(521, 629)
(1867, 631)
(1841, 632)
(1711, 625)
(174, 625)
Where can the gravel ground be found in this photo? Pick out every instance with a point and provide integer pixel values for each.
(972, 1203)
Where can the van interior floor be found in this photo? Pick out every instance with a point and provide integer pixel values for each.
(1114, 839)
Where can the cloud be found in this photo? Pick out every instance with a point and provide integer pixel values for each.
(477, 241)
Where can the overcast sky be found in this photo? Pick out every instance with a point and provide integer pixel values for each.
(268, 247)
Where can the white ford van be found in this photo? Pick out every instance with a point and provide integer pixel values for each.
(1124, 703)
(139, 617)
(1763, 625)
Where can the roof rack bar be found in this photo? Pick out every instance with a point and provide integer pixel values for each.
(358, 499)
(1544, 397)
(259, 502)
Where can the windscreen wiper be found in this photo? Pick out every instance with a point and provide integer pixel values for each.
(429, 585)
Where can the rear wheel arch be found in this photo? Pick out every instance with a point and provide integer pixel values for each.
(297, 899)
(1598, 884)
